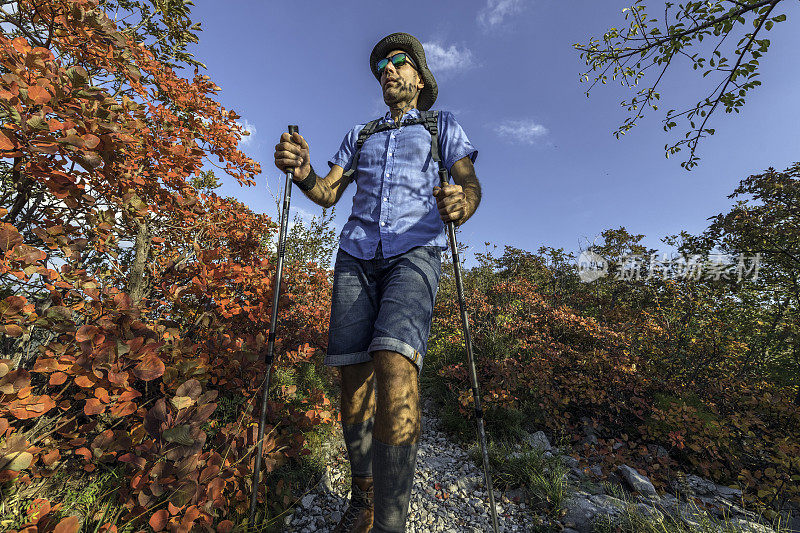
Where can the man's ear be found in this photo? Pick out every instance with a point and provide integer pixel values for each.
(420, 83)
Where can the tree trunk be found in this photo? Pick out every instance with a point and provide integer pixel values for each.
(21, 184)
(797, 360)
(137, 279)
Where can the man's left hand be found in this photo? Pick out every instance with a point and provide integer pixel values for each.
(451, 201)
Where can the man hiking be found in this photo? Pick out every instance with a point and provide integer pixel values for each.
(387, 270)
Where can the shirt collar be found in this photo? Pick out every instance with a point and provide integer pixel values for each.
(411, 113)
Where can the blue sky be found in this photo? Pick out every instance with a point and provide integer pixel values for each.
(551, 171)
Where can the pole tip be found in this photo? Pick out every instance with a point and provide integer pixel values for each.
(293, 129)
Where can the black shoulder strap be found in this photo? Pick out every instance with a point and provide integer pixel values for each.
(431, 123)
(429, 119)
(365, 132)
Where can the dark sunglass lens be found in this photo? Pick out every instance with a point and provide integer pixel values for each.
(399, 59)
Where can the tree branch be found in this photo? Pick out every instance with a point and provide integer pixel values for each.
(672, 37)
(694, 141)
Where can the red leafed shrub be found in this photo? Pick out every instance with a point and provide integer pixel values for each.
(564, 368)
(131, 300)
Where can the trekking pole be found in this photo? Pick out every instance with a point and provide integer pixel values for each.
(487, 474)
(287, 198)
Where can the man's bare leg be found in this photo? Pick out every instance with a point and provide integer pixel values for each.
(398, 417)
(396, 435)
(358, 416)
(358, 397)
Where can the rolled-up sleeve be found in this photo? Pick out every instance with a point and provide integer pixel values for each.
(344, 156)
(453, 141)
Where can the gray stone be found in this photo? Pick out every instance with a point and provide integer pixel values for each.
(578, 473)
(726, 508)
(539, 441)
(636, 481)
(468, 482)
(690, 515)
(693, 486)
(667, 504)
(745, 526)
(594, 488)
(652, 513)
(580, 512)
(307, 501)
(728, 492)
(607, 502)
(583, 509)
(588, 431)
(516, 495)
(692, 522)
(569, 461)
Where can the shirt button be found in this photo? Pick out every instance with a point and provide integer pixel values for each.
(383, 223)
(387, 174)
(386, 199)
(390, 154)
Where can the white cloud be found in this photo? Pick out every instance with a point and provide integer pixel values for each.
(247, 126)
(443, 59)
(495, 12)
(521, 131)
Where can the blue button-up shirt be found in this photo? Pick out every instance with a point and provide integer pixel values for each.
(394, 202)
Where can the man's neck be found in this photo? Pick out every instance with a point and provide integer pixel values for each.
(401, 109)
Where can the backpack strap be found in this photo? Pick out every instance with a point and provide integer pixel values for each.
(368, 129)
(429, 119)
(431, 123)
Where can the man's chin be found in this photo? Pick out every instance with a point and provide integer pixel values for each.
(392, 95)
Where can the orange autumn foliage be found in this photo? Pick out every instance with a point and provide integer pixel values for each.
(112, 139)
(555, 358)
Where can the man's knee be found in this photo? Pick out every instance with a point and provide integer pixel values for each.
(397, 392)
(358, 399)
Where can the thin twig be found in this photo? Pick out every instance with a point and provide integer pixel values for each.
(674, 36)
(694, 142)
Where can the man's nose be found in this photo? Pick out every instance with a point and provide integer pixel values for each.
(388, 66)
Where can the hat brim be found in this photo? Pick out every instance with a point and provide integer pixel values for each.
(410, 45)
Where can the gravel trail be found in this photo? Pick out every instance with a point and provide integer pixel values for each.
(448, 493)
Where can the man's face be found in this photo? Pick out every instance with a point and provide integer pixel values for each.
(400, 84)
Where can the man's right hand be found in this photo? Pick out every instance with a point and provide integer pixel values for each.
(292, 154)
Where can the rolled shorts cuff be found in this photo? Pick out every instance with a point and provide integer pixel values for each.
(347, 358)
(396, 345)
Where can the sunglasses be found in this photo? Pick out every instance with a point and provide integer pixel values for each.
(397, 60)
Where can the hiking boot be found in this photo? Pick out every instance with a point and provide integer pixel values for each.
(358, 516)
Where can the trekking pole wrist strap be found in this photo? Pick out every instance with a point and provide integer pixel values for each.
(308, 183)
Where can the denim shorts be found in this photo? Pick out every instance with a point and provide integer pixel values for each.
(383, 304)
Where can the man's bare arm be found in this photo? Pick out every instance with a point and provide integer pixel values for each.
(463, 173)
(292, 153)
(329, 190)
